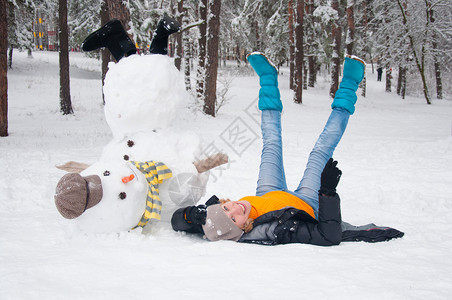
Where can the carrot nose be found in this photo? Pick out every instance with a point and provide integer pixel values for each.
(128, 178)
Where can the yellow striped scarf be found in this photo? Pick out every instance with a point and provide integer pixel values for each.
(155, 172)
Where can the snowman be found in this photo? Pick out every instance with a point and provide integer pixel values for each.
(152, 158)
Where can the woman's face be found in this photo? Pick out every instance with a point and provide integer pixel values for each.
(237, 211)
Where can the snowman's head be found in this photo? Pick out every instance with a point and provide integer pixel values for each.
(123, 201)
(142, 93)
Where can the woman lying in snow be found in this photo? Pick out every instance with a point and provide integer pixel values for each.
(311, 214)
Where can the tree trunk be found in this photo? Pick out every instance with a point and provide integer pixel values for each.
(439, 85)
(336, 37)
(10, 57)
(213, 30)
(363, 86)
(403, 83)
(112, 9)
(257, 46)
(351, 27)
(179, 45)
(118, 10)
(312, 71)
(388, 77)
(305, 75)
(224, 54)
(3, 69)
(310, 43)
(299, 54)
(201, 72)
(237, 55)
(187, 69)
(366, 49)
(291, 46)
(187, 54)
(387, 57)
(317, 68)
(401, 80)
(65, 95)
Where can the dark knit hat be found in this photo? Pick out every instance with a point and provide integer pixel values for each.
(75, 194)
(218, 225)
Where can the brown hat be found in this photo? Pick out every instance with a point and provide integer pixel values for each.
(218, 225)
(75, 194)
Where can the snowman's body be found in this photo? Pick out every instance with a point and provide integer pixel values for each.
(143, 95)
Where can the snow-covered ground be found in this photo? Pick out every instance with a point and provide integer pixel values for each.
(396, 158)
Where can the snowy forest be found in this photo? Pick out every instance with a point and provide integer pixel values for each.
(409, 38)
(64, 112)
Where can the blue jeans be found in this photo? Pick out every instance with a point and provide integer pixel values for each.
(271, 170)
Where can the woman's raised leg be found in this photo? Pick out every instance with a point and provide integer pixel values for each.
(271, 170)
(343, 106)
(309, 186)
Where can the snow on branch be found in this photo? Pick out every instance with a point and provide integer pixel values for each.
(326, 13)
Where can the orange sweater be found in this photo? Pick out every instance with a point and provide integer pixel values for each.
(273, 201)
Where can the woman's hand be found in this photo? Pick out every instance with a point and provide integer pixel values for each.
(196, 214)
(330, 178)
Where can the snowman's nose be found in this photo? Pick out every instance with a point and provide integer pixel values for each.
(128, 178)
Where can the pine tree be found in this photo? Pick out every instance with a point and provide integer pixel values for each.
(276, 35)
(144, 17)
(19, 14)
(83, 18)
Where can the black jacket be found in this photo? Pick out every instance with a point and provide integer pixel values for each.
(291, 225)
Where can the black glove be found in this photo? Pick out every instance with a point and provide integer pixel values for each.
(330, 178)
(196, 214)
(212, 200)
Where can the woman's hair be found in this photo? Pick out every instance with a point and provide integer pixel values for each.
(248, 224)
